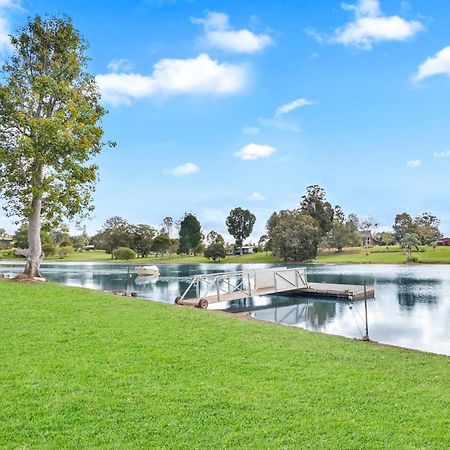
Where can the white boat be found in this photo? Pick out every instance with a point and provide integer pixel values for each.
(147, 271)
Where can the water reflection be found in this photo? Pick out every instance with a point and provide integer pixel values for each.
(411, 309)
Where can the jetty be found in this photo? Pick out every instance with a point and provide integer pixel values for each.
(206, 289)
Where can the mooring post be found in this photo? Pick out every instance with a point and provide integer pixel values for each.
(249, 284)
(366, 337)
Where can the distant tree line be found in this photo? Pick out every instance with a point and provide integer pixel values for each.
(292, 235)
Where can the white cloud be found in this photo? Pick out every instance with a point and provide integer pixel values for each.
(200, 75)
(442, 154)
(252, 152)
(414, 163)
(439, 64)
(120, 65)
(288, 107)
(369, 26)
(219, 34)
(250, 130)
(5, 29)
(279, 124)
(256, 197)
(184, 169)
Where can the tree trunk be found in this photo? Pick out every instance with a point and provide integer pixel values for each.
(35, 256)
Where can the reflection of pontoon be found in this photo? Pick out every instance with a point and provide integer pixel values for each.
(147, 271)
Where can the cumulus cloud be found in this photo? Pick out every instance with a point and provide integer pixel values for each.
(442, 154)
(251, 152)
(414, 163)
(438, 64)
(288, 107)
(184, 169)
(370, 26)
(200, 75)
(256, 197)
(219, 34)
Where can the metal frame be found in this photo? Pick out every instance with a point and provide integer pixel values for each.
(224, 283)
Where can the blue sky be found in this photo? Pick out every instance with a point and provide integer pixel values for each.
(215, 105)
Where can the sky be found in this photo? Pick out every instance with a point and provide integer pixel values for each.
(216, 105)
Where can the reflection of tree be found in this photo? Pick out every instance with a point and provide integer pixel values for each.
(319, 313)
(411, 292)
(409, 299)
(406, 299)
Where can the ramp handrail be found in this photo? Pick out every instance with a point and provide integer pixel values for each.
(244, 281)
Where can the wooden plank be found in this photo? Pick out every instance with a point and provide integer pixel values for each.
(353, 291)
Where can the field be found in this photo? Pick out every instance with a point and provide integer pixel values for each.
(84, 369)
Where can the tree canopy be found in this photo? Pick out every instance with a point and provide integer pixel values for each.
(49, 129)
(190, 234)
(315, 204)
(240, 224)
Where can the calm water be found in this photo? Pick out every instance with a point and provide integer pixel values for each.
(411, 309)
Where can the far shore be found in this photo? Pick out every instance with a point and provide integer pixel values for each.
(354, 255)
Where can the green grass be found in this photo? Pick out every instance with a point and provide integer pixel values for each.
(83, 369)
(383, 255)
(102, 256)
(355, 255)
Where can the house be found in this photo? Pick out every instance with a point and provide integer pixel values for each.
(444, 242)
(246, 250)
(6, 240)
(368, 239)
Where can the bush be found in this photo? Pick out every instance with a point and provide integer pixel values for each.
(124, 253)
(64, 251)
(49, 249)
(215, 252)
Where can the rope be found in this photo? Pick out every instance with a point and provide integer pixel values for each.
(356, 321)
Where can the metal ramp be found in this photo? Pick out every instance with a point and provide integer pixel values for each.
(226, 286)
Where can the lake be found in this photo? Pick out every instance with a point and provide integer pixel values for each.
(411, 308)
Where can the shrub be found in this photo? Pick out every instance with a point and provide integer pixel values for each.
(215, 252)
(64, 251)
(124, 253)
(49, 249)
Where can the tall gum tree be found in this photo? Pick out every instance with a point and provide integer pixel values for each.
(50, 129)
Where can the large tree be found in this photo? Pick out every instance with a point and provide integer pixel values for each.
(190, 234)
(403, 224)
(294, 235)
(49, 129)
(142, 239)
(427, 228)
(240, 224)
(315, 204)
(116, 232)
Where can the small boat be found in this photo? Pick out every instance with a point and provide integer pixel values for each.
(147, 271)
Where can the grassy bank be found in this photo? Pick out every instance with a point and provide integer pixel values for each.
(83, 369)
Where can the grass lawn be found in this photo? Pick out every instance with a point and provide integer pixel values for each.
(102, 256)
(383, 255)
(83, 369)
(355, 255)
